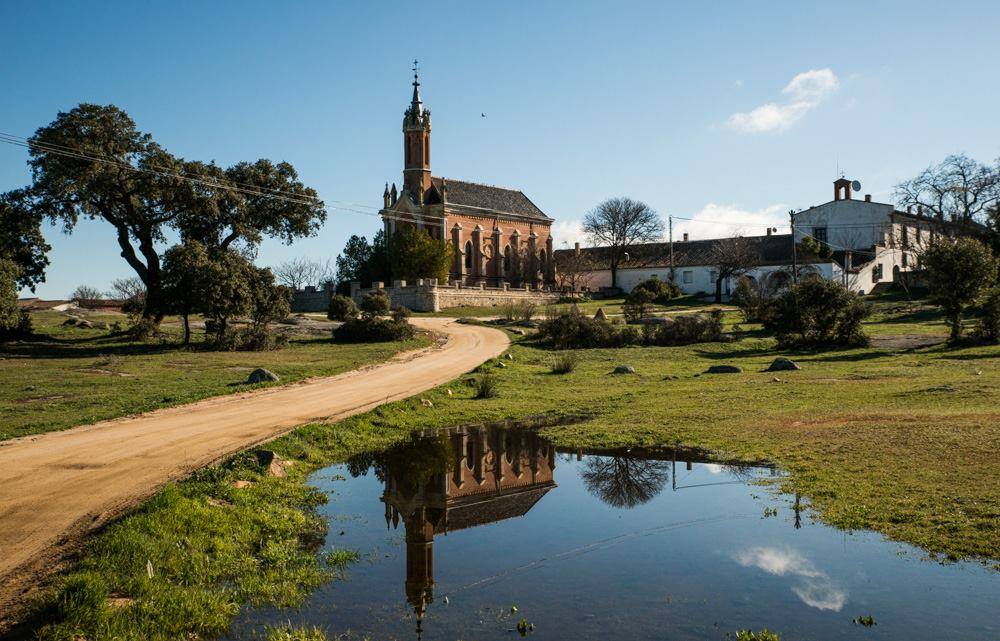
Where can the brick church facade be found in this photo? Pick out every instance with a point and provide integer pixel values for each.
(498, 235)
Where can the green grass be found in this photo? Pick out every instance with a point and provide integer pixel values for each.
(903, 442)
(68, 376)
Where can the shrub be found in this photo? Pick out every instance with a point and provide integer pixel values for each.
(567, 300)
(817, 312)
(375, 303)
(989, 323)
(637, 305)
(576, 331)
(400, 314)
(14, 321)
(513, 311)
(249, 339)
(750, 296)
(487, 385)
(341, 308)
(373, 330)
(685, 330)
(565, 363)
(660, 291)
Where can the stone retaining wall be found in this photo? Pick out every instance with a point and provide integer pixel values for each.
(427, 296)
(312, 299)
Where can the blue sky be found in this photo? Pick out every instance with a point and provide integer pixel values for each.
(729, 112)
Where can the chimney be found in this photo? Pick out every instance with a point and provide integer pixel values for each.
(685, 237)
(768, 231)
(576, 248)
(920, 210)
(909, 209)
(868, 198)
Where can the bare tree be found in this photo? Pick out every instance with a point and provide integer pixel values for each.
(619, 223)
(624, 481)
(959, 189)
(85, 293)
(732, 258)
(574, 270)
(300, 272)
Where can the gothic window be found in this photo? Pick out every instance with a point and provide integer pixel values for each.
(468, 254)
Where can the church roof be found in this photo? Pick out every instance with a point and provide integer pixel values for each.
(493, 507)
(495, 200)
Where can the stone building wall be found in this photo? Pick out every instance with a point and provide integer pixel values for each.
(427, 296)
(312, 299)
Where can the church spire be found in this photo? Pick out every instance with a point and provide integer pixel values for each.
(415, 104)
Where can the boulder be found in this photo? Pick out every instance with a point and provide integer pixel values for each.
(518, 331)
(501, 364)
(600, 315)
(273, 464)
(782, 364)
(624, 369)
(239, 485)
(723, 369)
(509, 356)
(426, 402)
(261, 375)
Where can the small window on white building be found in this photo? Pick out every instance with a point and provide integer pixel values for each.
(906, 259)
(688, 277)
(819, 233)
(877, 273)
(906, 237)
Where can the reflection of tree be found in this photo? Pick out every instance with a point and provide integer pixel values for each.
(622, 481)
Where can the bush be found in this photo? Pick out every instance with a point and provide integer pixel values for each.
(817, 312)
(637, 305)
(248, 339)
(341, 308)
(959, 271)
(14, 321)
(989, 323)
(487, 385)
(750, 296)
(565, 363)
(375, 303)
(572, 330)
(400, 314)
(660, 291)
(518, 311)
(373, 330)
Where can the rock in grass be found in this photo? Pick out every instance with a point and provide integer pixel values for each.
(782, 364)
(600, 315)
(241, 484)
(271, 462)
(509, 356)
(518, 331)
(723, 369)
(624, 369)
(261, 375)
(426, 402)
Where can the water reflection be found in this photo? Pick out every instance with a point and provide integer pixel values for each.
(812, 586)
(622, 481)
(462, 478)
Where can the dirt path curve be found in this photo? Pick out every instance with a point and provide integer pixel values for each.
(57, 487)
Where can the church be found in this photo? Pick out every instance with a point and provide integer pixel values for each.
(499, 236)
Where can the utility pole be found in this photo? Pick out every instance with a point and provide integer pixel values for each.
(795, 256)
(670, 226)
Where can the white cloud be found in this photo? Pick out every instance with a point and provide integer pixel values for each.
(716, 220)
(567, 232)
(803, 94)
(813, 586)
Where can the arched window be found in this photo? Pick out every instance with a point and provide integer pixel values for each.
(506, 260)
(468, 254)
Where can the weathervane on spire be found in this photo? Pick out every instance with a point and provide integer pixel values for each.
(415, 71)
(416, 105)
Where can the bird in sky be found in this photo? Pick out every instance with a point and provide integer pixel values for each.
(483, 115)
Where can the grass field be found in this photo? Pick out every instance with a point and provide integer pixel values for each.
(70, 376)
(902, 441)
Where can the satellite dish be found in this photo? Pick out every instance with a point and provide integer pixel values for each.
(856, 185)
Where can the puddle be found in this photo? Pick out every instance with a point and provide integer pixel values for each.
(456, 528)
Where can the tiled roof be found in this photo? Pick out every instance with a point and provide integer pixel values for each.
(488, 197)
(493, 507)
(771, 250)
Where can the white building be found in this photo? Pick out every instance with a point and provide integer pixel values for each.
(871, 244)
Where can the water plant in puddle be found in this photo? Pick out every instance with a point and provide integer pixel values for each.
(762, 635)
(866, 621)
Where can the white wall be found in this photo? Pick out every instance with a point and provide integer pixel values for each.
(850, 224)
(702, 277)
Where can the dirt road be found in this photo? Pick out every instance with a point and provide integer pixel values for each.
(57, 487)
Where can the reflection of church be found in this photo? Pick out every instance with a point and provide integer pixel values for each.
(478, 475)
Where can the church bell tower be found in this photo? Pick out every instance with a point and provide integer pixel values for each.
(417, 145)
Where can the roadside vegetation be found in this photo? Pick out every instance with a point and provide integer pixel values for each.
(67, 375)
(902, 441)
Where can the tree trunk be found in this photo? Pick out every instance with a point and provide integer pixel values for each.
(187, 328)
(614, 274)
(955, 320)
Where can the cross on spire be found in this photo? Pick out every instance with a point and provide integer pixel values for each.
(416, 104)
